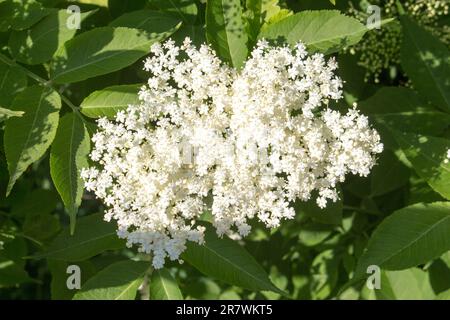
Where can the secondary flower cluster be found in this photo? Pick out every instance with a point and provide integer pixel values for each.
(251, 141)
(380, 49)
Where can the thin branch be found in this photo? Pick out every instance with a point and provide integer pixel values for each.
(42, 81)
(29, 238)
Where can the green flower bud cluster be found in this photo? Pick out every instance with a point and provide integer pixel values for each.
(380, 48)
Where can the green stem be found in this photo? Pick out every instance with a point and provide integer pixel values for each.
(42, 81)
(69, 103)
(30, 238)
(30, 74)
(25, 70)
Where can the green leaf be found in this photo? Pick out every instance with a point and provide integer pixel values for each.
(253, 18)
(163, 286)
(100, 51)
(420, 191)
(6, 113)
(443, 295)
(389, 100)
(12, 80)
(6, 14)
(153, 22)
(325, 272)
(186, 10)
(93, 236)
(119, 281)
(426, 61)
(58, 271)
(35, 202)
(422, 122)
(355, 87)
(260, 14)
(313, 234)
(40, 225)
(439, 272)
(410, 284)
(12, 266)
(428, 156)
(26, 13)
(202, 288)
(106, 102)
(389, 174)
(11, 274)
(325, 31)
(402, 109)
(68, 155)
(226, 260)
(38, 44)
(27, 138)
(410, 236)
(225, 31)
(118, 7)
(196, 33)
(272, 12)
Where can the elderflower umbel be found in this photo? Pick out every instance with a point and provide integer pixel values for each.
(260, 138)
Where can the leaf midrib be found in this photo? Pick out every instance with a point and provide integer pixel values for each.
(361, 31)
(264, 285)
(132, 283)
(13, 176)
(49, 253)
(178, 11)
(119, 52)
(72, 196)
(163, 283)
(423, 234)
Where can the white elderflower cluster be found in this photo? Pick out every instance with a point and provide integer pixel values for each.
(252, 141)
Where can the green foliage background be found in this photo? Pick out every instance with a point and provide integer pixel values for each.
(55, 81)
